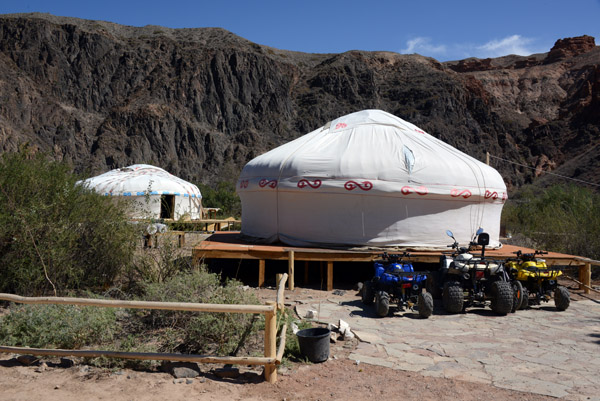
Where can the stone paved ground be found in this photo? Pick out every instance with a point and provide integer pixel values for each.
(538, 350)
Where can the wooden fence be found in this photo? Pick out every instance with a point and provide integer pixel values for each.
(272, 354)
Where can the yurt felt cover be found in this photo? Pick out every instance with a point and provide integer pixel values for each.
(369, 178)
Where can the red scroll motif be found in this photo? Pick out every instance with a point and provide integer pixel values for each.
(340, 125)
(406, 190)
(264, 182)
(465, 193)
(244, 184)
(504, 197)
(493, 195)
(365, 185)
(304, 183)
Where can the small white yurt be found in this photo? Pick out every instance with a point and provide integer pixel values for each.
(154, 193)
(369, 179)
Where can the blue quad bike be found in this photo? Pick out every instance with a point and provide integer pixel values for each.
(396, 281)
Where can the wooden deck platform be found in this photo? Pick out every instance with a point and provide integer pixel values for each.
(229, 245)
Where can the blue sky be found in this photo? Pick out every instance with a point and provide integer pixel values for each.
(445, 30)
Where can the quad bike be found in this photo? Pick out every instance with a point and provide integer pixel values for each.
(395, 281)
(470, 280)
(538, 281)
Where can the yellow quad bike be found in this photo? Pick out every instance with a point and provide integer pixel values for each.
(537, 281)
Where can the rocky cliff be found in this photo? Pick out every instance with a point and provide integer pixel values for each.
(202, 102)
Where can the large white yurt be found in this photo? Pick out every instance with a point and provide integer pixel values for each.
(369, 179)
(154, 192)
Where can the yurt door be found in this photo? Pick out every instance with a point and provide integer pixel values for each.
(167, 206)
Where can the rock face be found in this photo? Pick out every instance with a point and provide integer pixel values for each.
(202, 102)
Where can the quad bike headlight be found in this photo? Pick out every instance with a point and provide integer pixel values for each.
(415, 287)
(551, 282)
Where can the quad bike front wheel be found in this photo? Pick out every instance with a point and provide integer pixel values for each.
(517, 288)
(453, 297)
(368, 295)
(502, 297)
(425, 304)
(382, 303)
(562, 299)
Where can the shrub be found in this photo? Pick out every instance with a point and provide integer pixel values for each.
(559, 218)
(224, 197)
(57, 326)
(54, 234)
(223, 333)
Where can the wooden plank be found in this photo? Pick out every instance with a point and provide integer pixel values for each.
(330, 276)
(181, 306)
(140, 356)
(291, 270)
(581, 284)
(270, 345)
(261, 273)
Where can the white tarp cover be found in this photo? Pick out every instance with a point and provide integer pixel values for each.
(369, 178)
(145, 184)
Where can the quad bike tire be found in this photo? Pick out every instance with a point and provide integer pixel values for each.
(453, 297)
(524, 299)
(368, 294)
(502, 297)
(562, 299)
(425, 304)
(382, 303)
(517, 288)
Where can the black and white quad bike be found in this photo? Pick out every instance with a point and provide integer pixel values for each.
(470, 280)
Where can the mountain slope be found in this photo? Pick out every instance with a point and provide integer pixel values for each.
(202, 102)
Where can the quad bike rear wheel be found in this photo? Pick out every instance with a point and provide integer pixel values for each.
(524, 299)
(425, 304)
(382, 303)
(452, 297)
(562, 299)
(502, 297)
(517, 288)
(368, 295)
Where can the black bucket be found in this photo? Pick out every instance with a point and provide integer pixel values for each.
(314, 343)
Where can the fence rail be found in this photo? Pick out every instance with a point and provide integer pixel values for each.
(272, 355)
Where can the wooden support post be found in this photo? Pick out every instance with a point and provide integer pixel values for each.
(585, 273)
(306, 272)
(291, 270)
(261, 273)
(330, 276)
(487, 158)
(182, 239)
(321, 273)
(271, 343)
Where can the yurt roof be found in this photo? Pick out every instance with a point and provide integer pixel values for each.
(141, 179)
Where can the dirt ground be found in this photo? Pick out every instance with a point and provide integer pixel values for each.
(336, 379)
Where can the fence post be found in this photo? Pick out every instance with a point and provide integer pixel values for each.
(271, 342)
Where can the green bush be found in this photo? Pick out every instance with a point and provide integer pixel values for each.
(57, 326)
(56, 235)
(559, 218)
(224, 197)
(221, 333)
